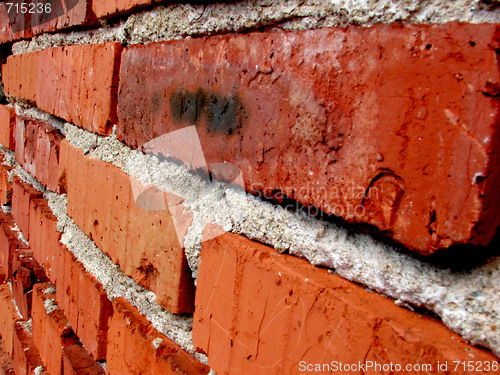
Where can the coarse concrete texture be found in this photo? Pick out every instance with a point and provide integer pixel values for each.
(174, 21)
(466, 300)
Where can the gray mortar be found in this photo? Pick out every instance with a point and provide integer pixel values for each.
(49, 290)
(50, 305)
(467, 302)
(175, 21)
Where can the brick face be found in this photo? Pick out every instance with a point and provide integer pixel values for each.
(7, 124)
(37, 150)
(79, 294)
(131, 349)
(26, 355)
(22, 195)
(85, 303)
(51, 330)
(44, 238)
(106, 8)
(261, 312)
(20, 74)
(9, 244)
(8, 318)
(77, 361)
(67, 87)
(5, 186)
(6, 362)
(144, 243)
(26, 272)
(338, 119)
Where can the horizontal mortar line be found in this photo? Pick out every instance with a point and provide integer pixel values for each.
(397, 275)
(129, 29)
(110, 275)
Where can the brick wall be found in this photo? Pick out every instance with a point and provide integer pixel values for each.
(315, 189)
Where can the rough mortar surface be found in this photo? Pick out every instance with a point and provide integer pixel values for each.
(50, 305)
(175, 21)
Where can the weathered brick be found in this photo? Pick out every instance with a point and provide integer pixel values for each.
(85, 303)
(9, 244)
(50, 329)
(38, 150)
(7, 124)
(27, 359)
(135, 347)
(20, 74)
(261, 312)
(44, 238)
(68, 89)
(22, 195)
(5, 186)
(63, 14)
(26, 272)
(77, 361)
(360, 122)
(6, 361)
(79, 294)
(8, 317)
(106, 8)
(144, 243)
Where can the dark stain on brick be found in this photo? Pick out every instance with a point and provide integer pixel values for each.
(223, 114)
(187, 106)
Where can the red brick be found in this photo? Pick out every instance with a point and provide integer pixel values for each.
(38, 150)
(50, 329)
(5, 186)
(9, 244)
(7, 124)
(26, 272)
(22, 195)
(79, 294)
(44, 238)
(144, 243)
(107, 8)
(69, 89)
(6, 362)
(20, 74)
(8, 317)
(26, 356)
(64, 14)
(261, 312)
(85, 303)
(77, 361)
(342, 119)
(14, 27)
(131, 349)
